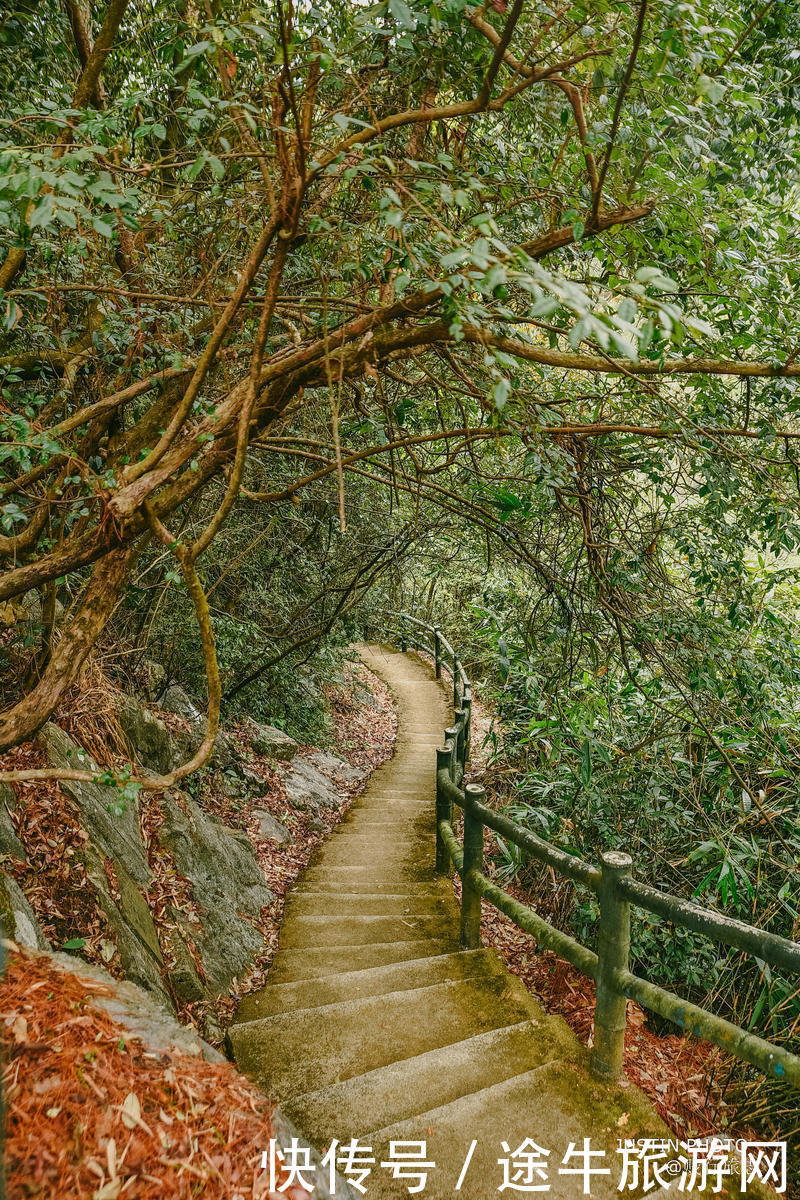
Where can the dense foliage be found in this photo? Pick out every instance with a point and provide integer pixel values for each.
(310, 310)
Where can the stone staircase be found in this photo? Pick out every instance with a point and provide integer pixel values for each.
(375, 1025)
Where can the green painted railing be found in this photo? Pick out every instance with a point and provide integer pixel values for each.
(612, 882)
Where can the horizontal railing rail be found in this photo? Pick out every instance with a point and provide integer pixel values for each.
(612, 882)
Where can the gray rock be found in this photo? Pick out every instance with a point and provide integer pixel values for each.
(316, 825)
(233, 787)
(9, 842)
(175, 700)
(17, 918)
(226, 751)
(131, 925)
(267, 740)
(364, 698)
(183, 974)
(254, 778)
(160, 750)
(226, 882)
(268, 827)
(337, 767)
(138, 1012)
(212, 1028)
(150, 742)
(307, 788)
(154, 679)
(112, 823)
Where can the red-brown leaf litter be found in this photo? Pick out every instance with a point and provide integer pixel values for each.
(93, 1113)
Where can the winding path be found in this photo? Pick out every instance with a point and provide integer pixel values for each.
(375, 1025)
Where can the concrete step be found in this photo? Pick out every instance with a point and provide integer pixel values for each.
(554, 1104)
(396, 804)
(393, 877)
(402, 1089)
(289, 966)
(420, 819)
(381, 837)
(276, 998)
(301, 932)
(372, 853)
(310, 1048)
(415, 819)
(329, 884)
(381, 904)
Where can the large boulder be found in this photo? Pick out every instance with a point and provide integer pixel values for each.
(183, 974)
(337, 767)
(150, 742)
(226, 752)
(131, 925)
(144, 1019)
(227, 885)
(111, 821)
(176, 700)
(159, 749)
(307, 788)
(201, 952)
(269, 741)
(152, 679)
(270, 828)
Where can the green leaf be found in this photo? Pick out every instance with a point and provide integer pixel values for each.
(586, 763)
(402, 14)
(217, 166)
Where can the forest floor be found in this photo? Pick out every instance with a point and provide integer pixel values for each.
(91, 1111)
(93, 1114)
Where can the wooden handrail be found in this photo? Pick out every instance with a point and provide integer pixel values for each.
(614, 886)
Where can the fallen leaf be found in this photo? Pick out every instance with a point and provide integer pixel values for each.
(131, 1111)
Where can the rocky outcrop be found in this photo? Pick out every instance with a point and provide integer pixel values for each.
(159, 749)
(111, 821)
(205, 948)
(9, 842)
(130, 923)
(337, 767)
(132, 1007)
(198, 948)
(308, 789)
(271, 828)
(17, 918)
(269, 741)
(150, 742)
(227, 885)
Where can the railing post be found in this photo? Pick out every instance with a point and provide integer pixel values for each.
(444, 809)
(473, 861)
(403, 639)
(461, 726)
(456, 665)
(613, 947)
(466, 704)
(450, 735)
(437, 652)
